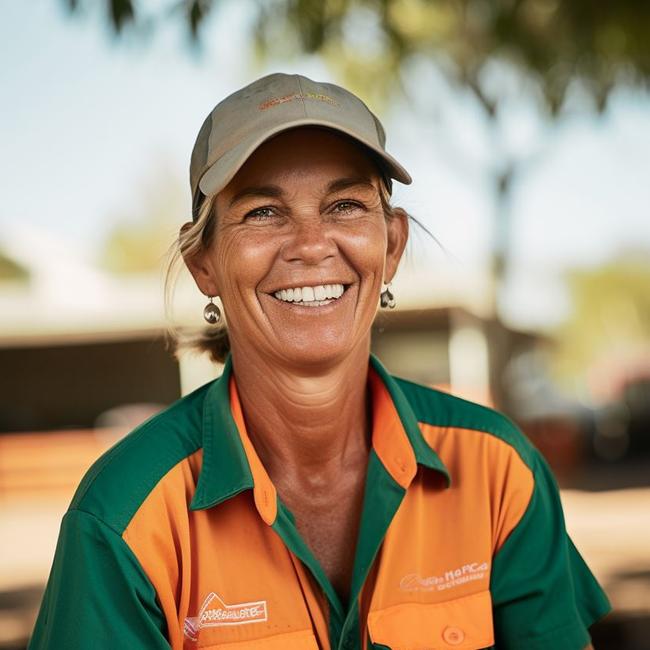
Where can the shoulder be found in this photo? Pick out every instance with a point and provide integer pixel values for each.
(121, 479)
(451, 414)
(489, 459)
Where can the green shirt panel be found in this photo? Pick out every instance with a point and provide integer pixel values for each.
(544, 595)
(121, 479)
(97, 595)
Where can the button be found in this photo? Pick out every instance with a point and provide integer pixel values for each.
(348, 643)
(453, 635)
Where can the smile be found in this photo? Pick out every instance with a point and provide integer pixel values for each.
(315, 296)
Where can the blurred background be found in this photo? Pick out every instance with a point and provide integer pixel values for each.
(526, 127)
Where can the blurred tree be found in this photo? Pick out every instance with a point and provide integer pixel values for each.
(11, 270)
(610, 321)
(551, 46)
(140, 238)
(495, 51)
(553, 42)
(135, 246)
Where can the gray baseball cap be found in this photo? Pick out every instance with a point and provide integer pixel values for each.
(275, 103)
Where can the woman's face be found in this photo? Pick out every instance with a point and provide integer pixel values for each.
(301, 248)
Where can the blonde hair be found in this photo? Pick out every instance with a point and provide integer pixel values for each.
(198, 236)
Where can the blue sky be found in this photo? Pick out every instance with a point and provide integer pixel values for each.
(86, 121)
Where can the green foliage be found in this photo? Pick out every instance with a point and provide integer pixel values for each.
(136, 247)
(611, 314)
(140, 238)
(552, 43)
(11, 270)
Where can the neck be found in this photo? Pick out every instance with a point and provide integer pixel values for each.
(310, 426)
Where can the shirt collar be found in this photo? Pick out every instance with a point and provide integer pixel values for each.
(231, 465)
(396, 435)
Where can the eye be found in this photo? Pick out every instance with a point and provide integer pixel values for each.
(260, 214)
(347, 206)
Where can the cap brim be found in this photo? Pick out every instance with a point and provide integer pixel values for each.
(222, 171)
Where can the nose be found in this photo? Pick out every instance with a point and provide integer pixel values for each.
(310, 243)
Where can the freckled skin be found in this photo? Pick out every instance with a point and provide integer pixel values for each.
(301, 372)
(303, 242)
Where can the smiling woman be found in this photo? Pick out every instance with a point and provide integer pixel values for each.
(308, 499)
(304, 214)
(298, 178)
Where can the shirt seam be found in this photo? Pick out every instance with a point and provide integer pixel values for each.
(121, 448)
(108, 459)
(524, 512)
(531, 465)
(123, 542)
(136, 509)
(510, 427)
(104, 524)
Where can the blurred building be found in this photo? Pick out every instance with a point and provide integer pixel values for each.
(84, 359)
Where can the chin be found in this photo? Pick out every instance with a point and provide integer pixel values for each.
(316, 351)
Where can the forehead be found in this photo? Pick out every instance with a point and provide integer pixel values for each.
(304, 155)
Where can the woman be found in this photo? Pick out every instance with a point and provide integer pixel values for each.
(307, 499)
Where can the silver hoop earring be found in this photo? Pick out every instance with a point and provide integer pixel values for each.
(386, 298)
(212, 313)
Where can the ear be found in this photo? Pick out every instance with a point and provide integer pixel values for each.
(398, 232)
(199, 266)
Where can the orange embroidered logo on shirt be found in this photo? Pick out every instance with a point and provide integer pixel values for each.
(450, 579)
(215, 612)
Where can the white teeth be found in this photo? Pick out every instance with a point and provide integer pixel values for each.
(315, 296)
(315, 303)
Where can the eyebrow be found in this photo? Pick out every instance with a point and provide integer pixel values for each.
(346, 183)
(274, 192)
(271, 191)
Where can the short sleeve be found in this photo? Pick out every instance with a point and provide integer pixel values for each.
(543, 594)
(97, 595)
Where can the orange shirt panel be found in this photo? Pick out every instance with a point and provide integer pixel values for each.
(485, 467)
(441, 542)
(215, 569)
(209, 565)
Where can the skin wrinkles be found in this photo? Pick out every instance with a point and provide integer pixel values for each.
(301, 372)
(274, 191)
(304, 456)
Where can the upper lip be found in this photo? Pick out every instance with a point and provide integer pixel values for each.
(315, 283)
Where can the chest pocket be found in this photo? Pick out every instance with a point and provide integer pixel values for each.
(461, 624)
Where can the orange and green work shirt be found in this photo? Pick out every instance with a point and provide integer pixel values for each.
(177, 537)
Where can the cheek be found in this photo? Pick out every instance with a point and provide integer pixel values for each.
(242, 260)
(366, 248)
